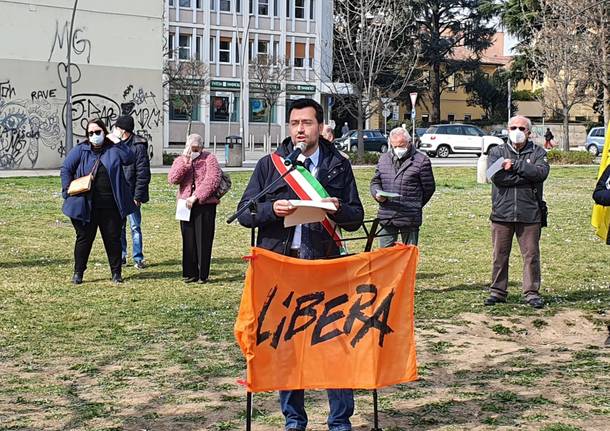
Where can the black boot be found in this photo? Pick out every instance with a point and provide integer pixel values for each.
(116, 278)
(77, 278)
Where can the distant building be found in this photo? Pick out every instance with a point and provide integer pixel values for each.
(299, 31)
(116, 55)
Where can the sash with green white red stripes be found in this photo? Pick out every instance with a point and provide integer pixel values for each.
(307, 187)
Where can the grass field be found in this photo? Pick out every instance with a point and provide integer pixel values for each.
(156, 354)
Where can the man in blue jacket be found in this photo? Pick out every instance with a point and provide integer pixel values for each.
(517, 210)
(307, 241)
(138, 177)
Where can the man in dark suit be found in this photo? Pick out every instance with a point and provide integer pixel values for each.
(307, 241)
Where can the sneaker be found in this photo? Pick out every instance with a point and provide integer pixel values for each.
(536, 302)
(190, 279)
(493, 300)
(116, 278)
(139, 265)
(124, 261)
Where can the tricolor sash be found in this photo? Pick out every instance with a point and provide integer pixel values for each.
(307, 187)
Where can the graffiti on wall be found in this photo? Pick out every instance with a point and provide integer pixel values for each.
(25, 126)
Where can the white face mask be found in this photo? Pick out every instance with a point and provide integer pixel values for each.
(118, 133)
(516, 136)
(97, 140)
(400, 151)
(194, 155)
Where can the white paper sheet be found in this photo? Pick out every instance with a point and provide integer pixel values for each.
(307, 212)
(182, 212)
(387, 194)
(495, 168)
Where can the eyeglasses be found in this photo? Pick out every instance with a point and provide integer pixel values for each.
(95, 132)
(523, 129)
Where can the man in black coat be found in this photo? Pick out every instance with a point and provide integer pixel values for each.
(307, 241)
(407, 172)
(138, 177)
(517, 210)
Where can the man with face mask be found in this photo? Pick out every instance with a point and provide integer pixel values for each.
(407, 172)
(516, 210)
(138, 177)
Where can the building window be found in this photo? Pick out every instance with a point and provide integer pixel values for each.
(299, 9)
(276, 10)
(212, 4)
(276, 51)
(171, 2)
(221, 108)
(312, 4)
(288, 14)
(451, 82)
(262, 50)
(263, 7)
(212, 48)
(198, 40)
(467, 117)
(451, 118)
(185, 3)
(178, 111)
(425, 118)
(299, 55)
(170, 48)
(237, 50)
(238, 6)
(198, 4)
(224, 50)
(259, 111)
(184, 46)
(225, 5)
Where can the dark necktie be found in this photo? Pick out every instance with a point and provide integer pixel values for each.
(306, 251)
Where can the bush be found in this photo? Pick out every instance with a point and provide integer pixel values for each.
(370, 158)
(168, 158)
(559, 157)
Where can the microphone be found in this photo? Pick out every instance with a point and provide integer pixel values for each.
(299, 147)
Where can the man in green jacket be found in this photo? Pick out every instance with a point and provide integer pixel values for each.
(517, 210)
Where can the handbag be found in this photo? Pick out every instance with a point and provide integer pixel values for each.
(83, 184)
(224, 186)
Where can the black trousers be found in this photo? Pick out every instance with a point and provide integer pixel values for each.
(110, 222)
(197, 239)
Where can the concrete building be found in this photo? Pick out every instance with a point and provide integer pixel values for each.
(299, 32)
(116, 51)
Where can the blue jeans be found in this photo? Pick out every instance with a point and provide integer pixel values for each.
(341, 402)
(135, 220)
(408, 235)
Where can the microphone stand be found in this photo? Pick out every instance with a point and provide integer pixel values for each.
(251, 205)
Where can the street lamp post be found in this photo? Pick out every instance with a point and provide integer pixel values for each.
(69, 120)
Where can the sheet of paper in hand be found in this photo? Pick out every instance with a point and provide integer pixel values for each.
(183, 213)
(307, 212)
(495, 168)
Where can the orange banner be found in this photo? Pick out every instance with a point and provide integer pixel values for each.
(324, 324)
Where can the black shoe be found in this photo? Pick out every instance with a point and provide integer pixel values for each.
(493, 300)
(536, 302)
(77, 278)
(202, 281)
(139, 264)
(124, 261)
(190, 279)
(116, 278)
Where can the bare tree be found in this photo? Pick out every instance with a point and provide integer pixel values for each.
(375, 52)
(559, 49)
(267, 74)
(187, 81)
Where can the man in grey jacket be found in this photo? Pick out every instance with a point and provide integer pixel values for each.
(408, 173)
(517, 210)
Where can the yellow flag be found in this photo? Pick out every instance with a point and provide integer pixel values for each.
(600, 217)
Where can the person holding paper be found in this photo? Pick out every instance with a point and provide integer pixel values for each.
(326, 176)
(403, 184)
(106, 204)
(198, 174)
(517, 209)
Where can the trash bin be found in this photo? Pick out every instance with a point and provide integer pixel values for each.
(233, 151)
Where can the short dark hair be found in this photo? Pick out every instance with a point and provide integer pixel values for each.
(308, 103)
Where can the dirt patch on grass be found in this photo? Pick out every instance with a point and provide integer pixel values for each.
(478, 372)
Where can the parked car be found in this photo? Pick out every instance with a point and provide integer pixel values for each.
(374, 140)
(502, 134)
(444, 139)
(595, 140)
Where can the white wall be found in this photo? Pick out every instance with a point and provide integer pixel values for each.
(117, 66)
